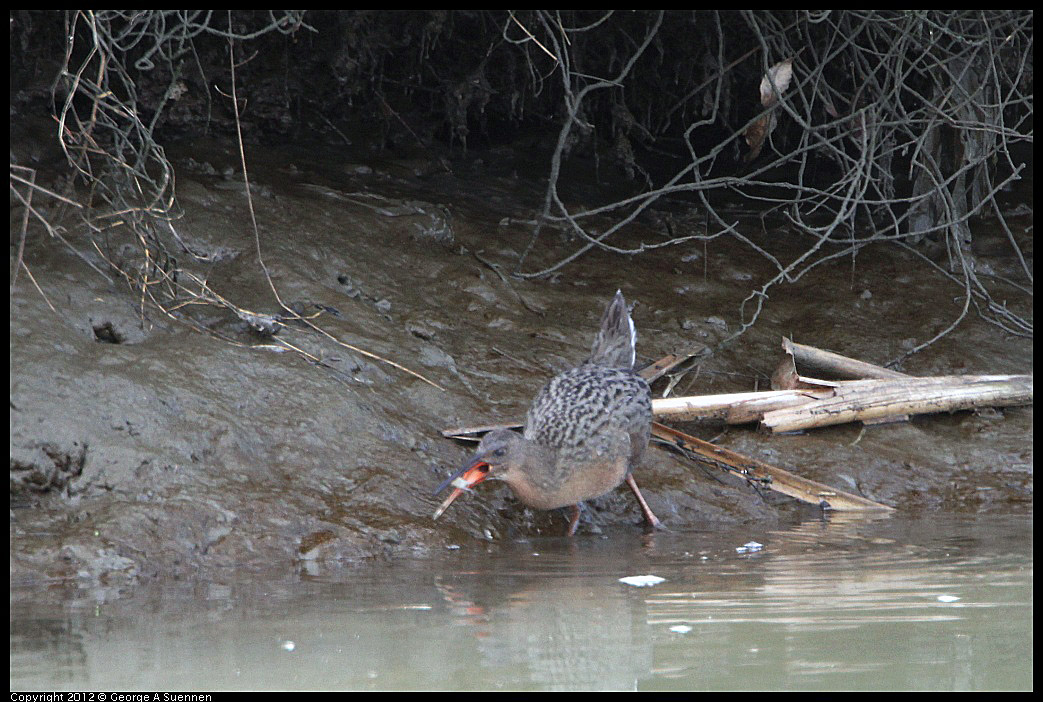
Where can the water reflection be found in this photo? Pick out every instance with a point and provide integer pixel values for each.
(898, 603)
(573, 632)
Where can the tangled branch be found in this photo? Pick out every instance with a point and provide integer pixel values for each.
(899, 126)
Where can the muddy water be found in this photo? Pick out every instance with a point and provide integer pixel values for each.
(938, 602)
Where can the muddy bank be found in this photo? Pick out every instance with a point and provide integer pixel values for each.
(142, 448)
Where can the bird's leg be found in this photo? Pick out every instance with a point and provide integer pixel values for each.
(575, 519)
(650, 518)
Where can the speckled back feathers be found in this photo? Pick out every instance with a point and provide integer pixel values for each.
(591, 410)
(584, 404)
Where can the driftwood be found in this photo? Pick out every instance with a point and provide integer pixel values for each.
(828, 364)
(800, 402)
(733, 408)
(867, 400)
(768, 476)
(873, 395)
(851, 400)
(664, 365)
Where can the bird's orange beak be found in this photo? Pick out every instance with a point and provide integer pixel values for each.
(473, 472)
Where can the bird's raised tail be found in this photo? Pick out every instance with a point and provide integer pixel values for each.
(614, 345)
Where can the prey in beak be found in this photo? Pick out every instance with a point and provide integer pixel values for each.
(473, 472)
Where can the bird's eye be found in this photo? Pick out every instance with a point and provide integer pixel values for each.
(500, 452)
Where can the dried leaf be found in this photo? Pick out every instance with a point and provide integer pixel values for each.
(780, 74)
(757, 132)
